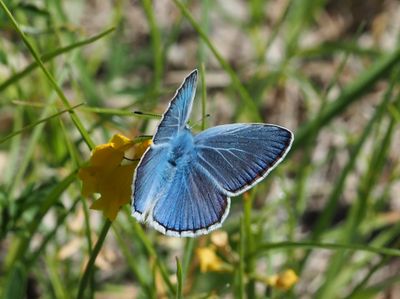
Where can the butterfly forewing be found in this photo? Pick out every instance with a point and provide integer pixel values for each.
(177, 115)
(237, 156)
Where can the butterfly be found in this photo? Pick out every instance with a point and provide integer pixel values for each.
(183, 182)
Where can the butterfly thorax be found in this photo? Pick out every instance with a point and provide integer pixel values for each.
(182, 147)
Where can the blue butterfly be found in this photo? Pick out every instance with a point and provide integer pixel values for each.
(183, 183)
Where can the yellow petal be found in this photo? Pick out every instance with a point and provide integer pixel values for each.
(110, 211)
(110, 154)
(208, 259)
(219, 238)
(271, 280)
(106, 156)
(120, 142)
(106, 175)
(286, 279)
(88, 177)
(283, 281)
(115, 190)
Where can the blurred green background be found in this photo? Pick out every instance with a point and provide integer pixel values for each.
(327, 70)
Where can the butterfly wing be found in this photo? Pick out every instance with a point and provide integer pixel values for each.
(226, 160)
(191, 197)
(192, 205)
(148, 179)
(238, 156)
(150, 172)
(177, 114)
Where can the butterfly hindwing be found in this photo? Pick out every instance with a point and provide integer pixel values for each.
(238, 156)
(192, 205)
(177, 114)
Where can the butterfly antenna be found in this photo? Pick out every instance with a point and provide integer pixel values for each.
(146, 115)
(138, 139)
(198, 122)
(132, 160)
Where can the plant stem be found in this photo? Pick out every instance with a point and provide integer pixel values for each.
(89, 270)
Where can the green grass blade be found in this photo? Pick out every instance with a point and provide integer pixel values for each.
(179, 289)
(203, 97)
(33, 257)
(58, 90)
(52, 198)
(360, 287)
(329, 209)
(152, 252)
(47, 57)
(14, 150)
(300, 16)
(130, 259)
(206, 7)
(249, 243)
(156, 43)
(240, 283)
(349, 95)
(263, 249)
(236, 83)
(89, 270)
(55, 280)
(16, 282)
(187, 256)
(360, 208)
(38, 122)
(374, 290)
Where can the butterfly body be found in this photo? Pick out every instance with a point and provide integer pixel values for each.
(183, 183)
(182, 148)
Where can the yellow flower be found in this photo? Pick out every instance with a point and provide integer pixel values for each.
(283, 281)
(106, 175)
(209, 260)
(220, 238)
